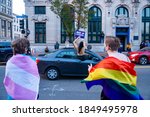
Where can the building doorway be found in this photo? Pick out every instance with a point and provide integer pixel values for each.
(123, 35)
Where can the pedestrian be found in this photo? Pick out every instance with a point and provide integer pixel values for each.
(128, 47)
(115, 74)
(142, 45)
(46, 49)
(56, 46)
(21, 76)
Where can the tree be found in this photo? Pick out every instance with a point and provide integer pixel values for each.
(81, 10)
(66, 13)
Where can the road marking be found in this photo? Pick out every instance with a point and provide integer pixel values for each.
(144, 67)
(54, 89)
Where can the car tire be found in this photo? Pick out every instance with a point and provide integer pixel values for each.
(143, 60)
(52, 73)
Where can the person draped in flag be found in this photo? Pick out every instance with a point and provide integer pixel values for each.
(21, 76)
(115, 74)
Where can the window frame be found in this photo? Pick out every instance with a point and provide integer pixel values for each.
(95, 20)
(39, 10)
(145, 21)
(40, 26)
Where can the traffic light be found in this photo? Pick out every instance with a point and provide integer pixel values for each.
(21, 22)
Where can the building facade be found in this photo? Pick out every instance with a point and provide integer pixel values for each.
(6, 20)
(127, 19)
(16, 27)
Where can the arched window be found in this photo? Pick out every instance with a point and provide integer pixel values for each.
(146, 24)
(95, 25)
(67, 24)
(122, 11)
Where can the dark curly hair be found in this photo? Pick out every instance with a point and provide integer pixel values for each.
(20, 46)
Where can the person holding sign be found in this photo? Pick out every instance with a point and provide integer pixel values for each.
(80, 46)
(79, 42)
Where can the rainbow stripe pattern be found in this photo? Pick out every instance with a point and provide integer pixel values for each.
(118, 79)
(22, 78)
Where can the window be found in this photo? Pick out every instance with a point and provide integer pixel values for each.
(14, 27)
(3, 27)
(95, 25)
(146, 24)
(9, 29)
(9, 3)
(67, 54)
(3, 9)
(40, 10)
(122, 11)
(108, 1)
(67, 15)
(135, 1)
(3, 1)
(40, 32)
(9, 11)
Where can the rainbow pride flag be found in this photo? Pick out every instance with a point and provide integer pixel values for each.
(118, 79)
(22, 78)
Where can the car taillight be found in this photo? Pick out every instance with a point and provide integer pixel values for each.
(37, 61)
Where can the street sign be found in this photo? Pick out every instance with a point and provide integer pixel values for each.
(23, 16)
(80, 34)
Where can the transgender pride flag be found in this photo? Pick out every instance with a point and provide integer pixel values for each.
(22, 78)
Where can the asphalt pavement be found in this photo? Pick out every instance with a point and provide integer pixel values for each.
(70, 88)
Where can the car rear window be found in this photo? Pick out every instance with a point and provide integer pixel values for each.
(5, 44)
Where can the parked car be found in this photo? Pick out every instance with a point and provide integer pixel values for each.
(65, 62)
(141, 56)
(5, 51)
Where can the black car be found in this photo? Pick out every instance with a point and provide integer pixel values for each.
(65, 62)
(5, 51)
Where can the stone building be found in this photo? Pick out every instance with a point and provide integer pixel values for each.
(16, 27)
(127, 19)
(6, 20)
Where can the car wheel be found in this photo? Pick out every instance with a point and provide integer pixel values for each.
(143, 60)
(52, 73)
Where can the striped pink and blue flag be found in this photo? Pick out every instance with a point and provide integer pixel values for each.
(22, 78)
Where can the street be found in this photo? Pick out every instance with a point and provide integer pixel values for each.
(72, 89)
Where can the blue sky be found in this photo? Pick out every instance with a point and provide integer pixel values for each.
(18, 7)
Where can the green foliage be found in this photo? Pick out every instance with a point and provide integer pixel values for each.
(68, 19)
(81, 9)
(66, 13)
(56, 6)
